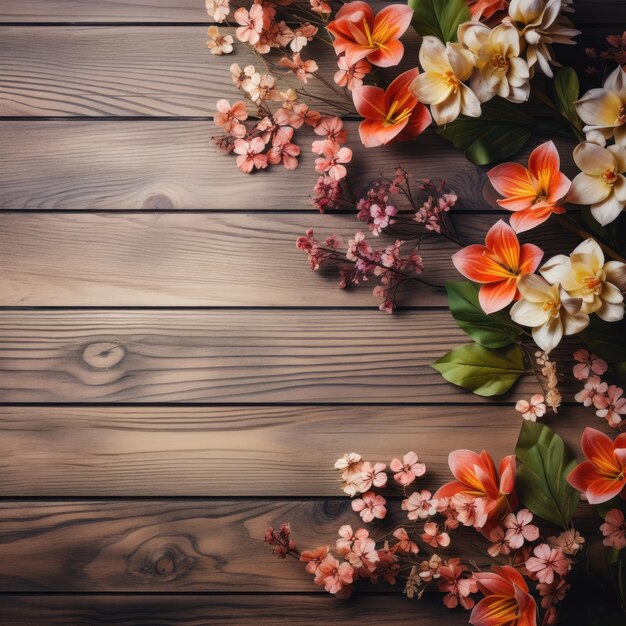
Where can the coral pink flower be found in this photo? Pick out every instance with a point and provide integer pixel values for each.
(547, 562)
(250, 23)
(373, 475)
(498, 266)
(433, 537)
(407, 470)
(552, 594)
(611, 406)
(390, 114)
(588, 363)
(331, 128)
(347, 537)
(603, 475)
(419, 505)
(405, 544)
(485, 8)
(321, 7)
(499, 543)
(351, 76)
(519, 528)
(371, 506)
(336, 578)
(361, 35)
(456, 585)
(532, 409)
(250, 156)
(476, 476)
(614, 529)
(302, 69)
(284, 152)
(470, 510)
(229, 117)
(313, 558)
(593, 388)
(535, 193)
(506, 602)
(332, 161)
(363, 554)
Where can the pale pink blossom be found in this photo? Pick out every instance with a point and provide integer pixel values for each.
(349, 464)
(588, 363)
(335, 577)
(313, 558)
(301, 114)
(371, 506)
(593, 387)
(419, 505)
(321, 7)
(499, 545)
(470, 511)
(243, 78)
(519, 528)
(407, 470)
(227, 116)
(547, 562)
(262, 88)
(302, 69)
(217, 9)
(570, 541)
(250, 154)
(363, 554)
(347, 537)
(250, 23)
(301, 37)
(405, 544)
(553, 593)
(331, 128)
(373, 475)
(612, 406)
(285, 153)
(532, 409)
(457, 586)
(433, 537)
(332, 162)
(217, 43)
(614, 529)
(351, 76)
(381, 217)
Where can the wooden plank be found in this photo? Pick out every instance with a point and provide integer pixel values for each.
(251, 357)
(181, 610)
(143, 164)
(189, 451)
(172, 11)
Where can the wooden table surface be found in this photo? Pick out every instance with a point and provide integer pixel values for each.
(174, 377)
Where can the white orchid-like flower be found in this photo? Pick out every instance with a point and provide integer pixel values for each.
(604, 110)
(585, 275)
(548, 310)
(601, 183)
(441, 82)
(499, 68)
(542, 23)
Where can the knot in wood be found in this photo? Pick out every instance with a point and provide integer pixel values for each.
(103, 355)
(158, 201)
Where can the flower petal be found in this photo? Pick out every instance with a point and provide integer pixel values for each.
(593, 159)
(369, 102)
(503, 242)
(430, 88)
(512, 180)
(475, 263)
(496, 296)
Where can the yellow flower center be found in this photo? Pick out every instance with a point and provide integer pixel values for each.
(499, 62)
(552, 307)
(452, 81)
(609, 177)
(394, 116)
(504, 610)
(592, 284)
(382, 33)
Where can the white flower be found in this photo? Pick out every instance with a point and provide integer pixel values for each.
(601, 183)
(441, 82)
(585, 275)
(499, 68)
(548, 310)
(218, 9)
(542, 24)
(604, 110)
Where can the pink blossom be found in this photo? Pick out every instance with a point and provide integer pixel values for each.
(532, 409)
(250, 23)
(433, 537)
(321, 7)
(363, 554)
(218, 9)
(405, 544)
(250, 156)
(588, 363)
(285, 153)
(331, 128)
(611, 406)
(301, 114)
(313, 558)
(371, 506)
(301, 36)
(373, 475)
(302, 69)
(570, 541)
(519, 528)
(381, 217)
(326, 193)
(228, 117)
(419, 505)
(614, 529)
(499, 544)
(593, 387)
(242, 77)
(470, 511)
(332, 162)
(347, 537)
(351, 76)
(547, 562)
(407, 470)
(456, 584)
(553, 593)
(387, 567)
(336, 578)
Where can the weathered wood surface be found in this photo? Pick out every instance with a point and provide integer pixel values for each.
(192, 11)
(224, 610)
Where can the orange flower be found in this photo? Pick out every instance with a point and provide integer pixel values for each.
(361, 35)
(476, 476)
(603, 475)
(506, 602)
(391, 114)
(534, 193)
(498, 265)
(485, 8)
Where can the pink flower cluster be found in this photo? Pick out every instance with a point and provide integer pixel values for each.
(608, 400)
(614, 529)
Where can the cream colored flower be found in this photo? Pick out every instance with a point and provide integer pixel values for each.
(604, 110)
(218, 9)
(548, 310)
(601, 183)
(585, 275)
(499, 68)
(217, 43)
(441, 82)
(542, 23)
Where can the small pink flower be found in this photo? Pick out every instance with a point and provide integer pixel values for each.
(614, 529)
(302, 36)
(300, 114)
(321, 7)
(519, 529)
(331, 128)
(250, 156)
(373, 475)
(407, 470)
(612, 406)
(593, 387)
(285, 153)
(347, 537)
(419, 505)
(433, 537)
(302, 69)
(588, 363)
(532, 410)
(405, 544)
(470, 511)
(553, 593)
(336, 578)
(351, 76)
(381, 217)
(229, 116)
(371, 506)
(570, 541)
(313, 558)
(332, 162)
(547, 562)
(499, 545)
(363, 554)
(250, 23)
(456, 585)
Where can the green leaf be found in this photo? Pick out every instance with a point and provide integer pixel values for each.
(500, 132)
(484, 371)
(606, 339)
(542, 478)
(564, 91)
(439, 18)
(491, 331)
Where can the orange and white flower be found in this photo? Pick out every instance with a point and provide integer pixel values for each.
(604, 110)
(548, 310)
(499, 68)
(441, 84)
(601, 183)
(585, 275)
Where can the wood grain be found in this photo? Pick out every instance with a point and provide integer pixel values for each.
(172, 11)
(190, 451)
(145, 164)
(181, 610)
(251, 356)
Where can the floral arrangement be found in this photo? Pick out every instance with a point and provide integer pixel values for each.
(481, 62)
